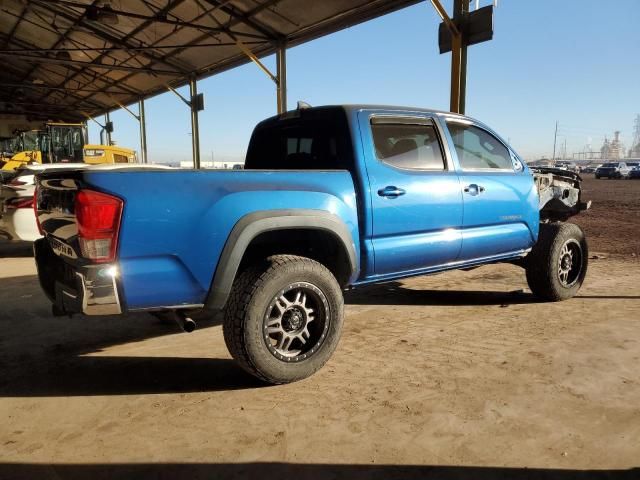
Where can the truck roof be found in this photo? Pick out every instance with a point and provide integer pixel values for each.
(350, 108)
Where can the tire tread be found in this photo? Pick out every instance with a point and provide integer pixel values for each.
(540, 267)
(244, 288)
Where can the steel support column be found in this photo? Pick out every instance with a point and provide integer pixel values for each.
(456, 74)
(143, 131)
(195, 131)
(459, 59)
(107, 120)
(458, 51)
(281, 85)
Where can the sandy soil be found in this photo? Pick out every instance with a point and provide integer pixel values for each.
(458, 375)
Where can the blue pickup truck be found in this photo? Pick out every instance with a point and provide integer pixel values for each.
(331, 198)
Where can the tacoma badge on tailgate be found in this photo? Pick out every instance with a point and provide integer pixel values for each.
(61, 248)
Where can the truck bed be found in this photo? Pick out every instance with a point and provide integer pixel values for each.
(176, 222)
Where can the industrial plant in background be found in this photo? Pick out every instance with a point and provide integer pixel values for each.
(614, 149)
(634, 151)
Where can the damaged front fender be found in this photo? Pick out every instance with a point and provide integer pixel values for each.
(560, 193)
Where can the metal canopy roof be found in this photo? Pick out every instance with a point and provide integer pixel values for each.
(63, 59)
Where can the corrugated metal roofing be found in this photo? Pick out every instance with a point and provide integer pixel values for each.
(63, 59)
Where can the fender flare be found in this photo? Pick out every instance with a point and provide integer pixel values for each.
(254, 224)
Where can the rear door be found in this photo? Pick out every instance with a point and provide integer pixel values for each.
(500, 200)
(416, 201)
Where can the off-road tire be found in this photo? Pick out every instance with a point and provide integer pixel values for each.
(251, 297)
(543, 263)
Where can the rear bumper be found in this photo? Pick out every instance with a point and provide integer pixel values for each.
(89, 289)
(608, 173)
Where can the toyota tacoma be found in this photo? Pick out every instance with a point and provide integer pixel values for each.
(331, 198)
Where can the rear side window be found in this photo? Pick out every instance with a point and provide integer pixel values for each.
(319, 141)
(477, 149)
(408, 146)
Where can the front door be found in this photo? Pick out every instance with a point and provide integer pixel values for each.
(500, 198)
(416, 200)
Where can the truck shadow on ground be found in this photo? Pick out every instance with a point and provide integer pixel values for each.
(300, 471)
(610, 297)
(91, 376)
(44, 356)
(15, 249)
(394, 293)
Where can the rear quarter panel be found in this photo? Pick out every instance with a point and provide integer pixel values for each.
(176, 223)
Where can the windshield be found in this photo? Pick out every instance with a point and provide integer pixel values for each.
(30, 141)
(610, 165)
(10, 146)
(66, 143)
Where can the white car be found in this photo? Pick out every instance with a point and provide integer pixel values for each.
(17, 218)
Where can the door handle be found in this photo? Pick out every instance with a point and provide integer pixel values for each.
(474, 189)
(391, 192)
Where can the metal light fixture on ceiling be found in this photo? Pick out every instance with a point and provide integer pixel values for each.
(107, 15)
(62, 55)
(102, 14)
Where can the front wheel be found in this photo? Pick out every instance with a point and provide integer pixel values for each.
(284, 318)
(557, 264)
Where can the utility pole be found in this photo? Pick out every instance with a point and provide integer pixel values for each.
(555, 137)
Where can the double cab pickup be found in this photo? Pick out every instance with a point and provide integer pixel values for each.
(330, 198)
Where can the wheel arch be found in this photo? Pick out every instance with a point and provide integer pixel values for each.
(261, 234)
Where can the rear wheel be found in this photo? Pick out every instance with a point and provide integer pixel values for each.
(283, 318)
(557, 265)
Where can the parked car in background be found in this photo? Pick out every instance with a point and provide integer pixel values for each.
(572, 167)
(613, 170)
(589, 169)
(635, 169)
(17, 217)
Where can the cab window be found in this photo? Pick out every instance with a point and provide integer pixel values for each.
(477, 149)
(408, 146)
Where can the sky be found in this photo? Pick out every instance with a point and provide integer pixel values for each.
(576, 62)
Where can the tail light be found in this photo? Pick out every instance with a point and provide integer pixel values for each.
(20, 202)
(98, 216)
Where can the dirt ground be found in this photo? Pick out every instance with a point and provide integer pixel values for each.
(457, 375)
(613, 223)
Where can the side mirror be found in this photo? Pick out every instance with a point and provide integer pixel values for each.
(517, 163)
